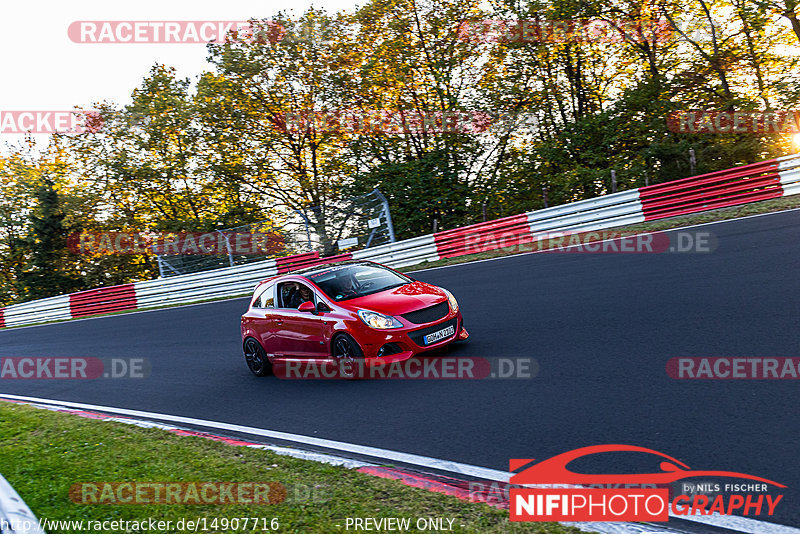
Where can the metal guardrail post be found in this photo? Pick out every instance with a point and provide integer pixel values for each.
(160, 266)
(308, 232)
(386, 213)
(228, 246)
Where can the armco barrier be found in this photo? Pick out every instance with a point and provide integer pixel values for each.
(617, 209)
(483, 237)
(401, 253)
(207, 285)
(293, 263)
(750, 183)
(38, 311)
(102, 300)
(789, 172)
(15, 516)
(740, 185)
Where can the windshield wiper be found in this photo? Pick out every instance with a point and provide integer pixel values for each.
(394, 286)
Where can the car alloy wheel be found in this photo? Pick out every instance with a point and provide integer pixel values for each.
(256, 358)
(346, 354)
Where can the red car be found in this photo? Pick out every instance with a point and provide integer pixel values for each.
(345, 312)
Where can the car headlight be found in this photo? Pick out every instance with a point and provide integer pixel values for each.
(452, 300)
(379, 320)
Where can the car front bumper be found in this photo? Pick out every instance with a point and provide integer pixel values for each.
(409, 340)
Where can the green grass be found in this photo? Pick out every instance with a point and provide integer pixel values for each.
(44, 453)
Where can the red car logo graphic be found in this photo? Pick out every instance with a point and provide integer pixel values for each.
(554, 470)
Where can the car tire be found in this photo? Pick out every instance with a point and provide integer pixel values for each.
(344, 351)
(256, 357)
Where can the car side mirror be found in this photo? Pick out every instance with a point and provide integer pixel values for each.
(322, 307)
(307, 306)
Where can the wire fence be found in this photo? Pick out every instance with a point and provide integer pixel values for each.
(337, 227)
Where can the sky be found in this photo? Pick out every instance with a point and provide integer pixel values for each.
(44, 70)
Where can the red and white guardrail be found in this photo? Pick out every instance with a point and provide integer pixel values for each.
(740, 185)
(15, 515)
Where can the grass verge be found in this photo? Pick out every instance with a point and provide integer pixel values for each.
(44, 453)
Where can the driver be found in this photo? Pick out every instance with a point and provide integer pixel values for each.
(299, 294)
(348, 288)
(291, 298)
(305, 294)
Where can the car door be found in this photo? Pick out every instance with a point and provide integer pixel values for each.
(300, 334)
(262, 318)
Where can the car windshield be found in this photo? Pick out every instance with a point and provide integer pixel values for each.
(351, 281)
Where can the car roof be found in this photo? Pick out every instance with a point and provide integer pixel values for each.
(319, 268)
(305, 271)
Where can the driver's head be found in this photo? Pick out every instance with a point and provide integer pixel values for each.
(305, 292)
(348, 284)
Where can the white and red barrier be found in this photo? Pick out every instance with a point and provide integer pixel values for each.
(740, 185)
(15, 516)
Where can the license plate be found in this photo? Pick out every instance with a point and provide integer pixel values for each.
(440, 335)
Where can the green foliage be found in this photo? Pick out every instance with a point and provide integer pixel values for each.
(47, 273)
(419, 191)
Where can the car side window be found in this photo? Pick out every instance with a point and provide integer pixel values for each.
(292, 294)
(265, 299)
(285, 293)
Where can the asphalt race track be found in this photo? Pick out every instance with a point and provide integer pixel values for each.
(601, 326)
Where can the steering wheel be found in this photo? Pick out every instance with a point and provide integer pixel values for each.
(355, 287)
(366, 285)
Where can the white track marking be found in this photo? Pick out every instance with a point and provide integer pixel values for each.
(740, 524)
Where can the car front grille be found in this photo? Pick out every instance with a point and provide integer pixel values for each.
(429, 314)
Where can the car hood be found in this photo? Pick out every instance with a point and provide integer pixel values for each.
(399, 300)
